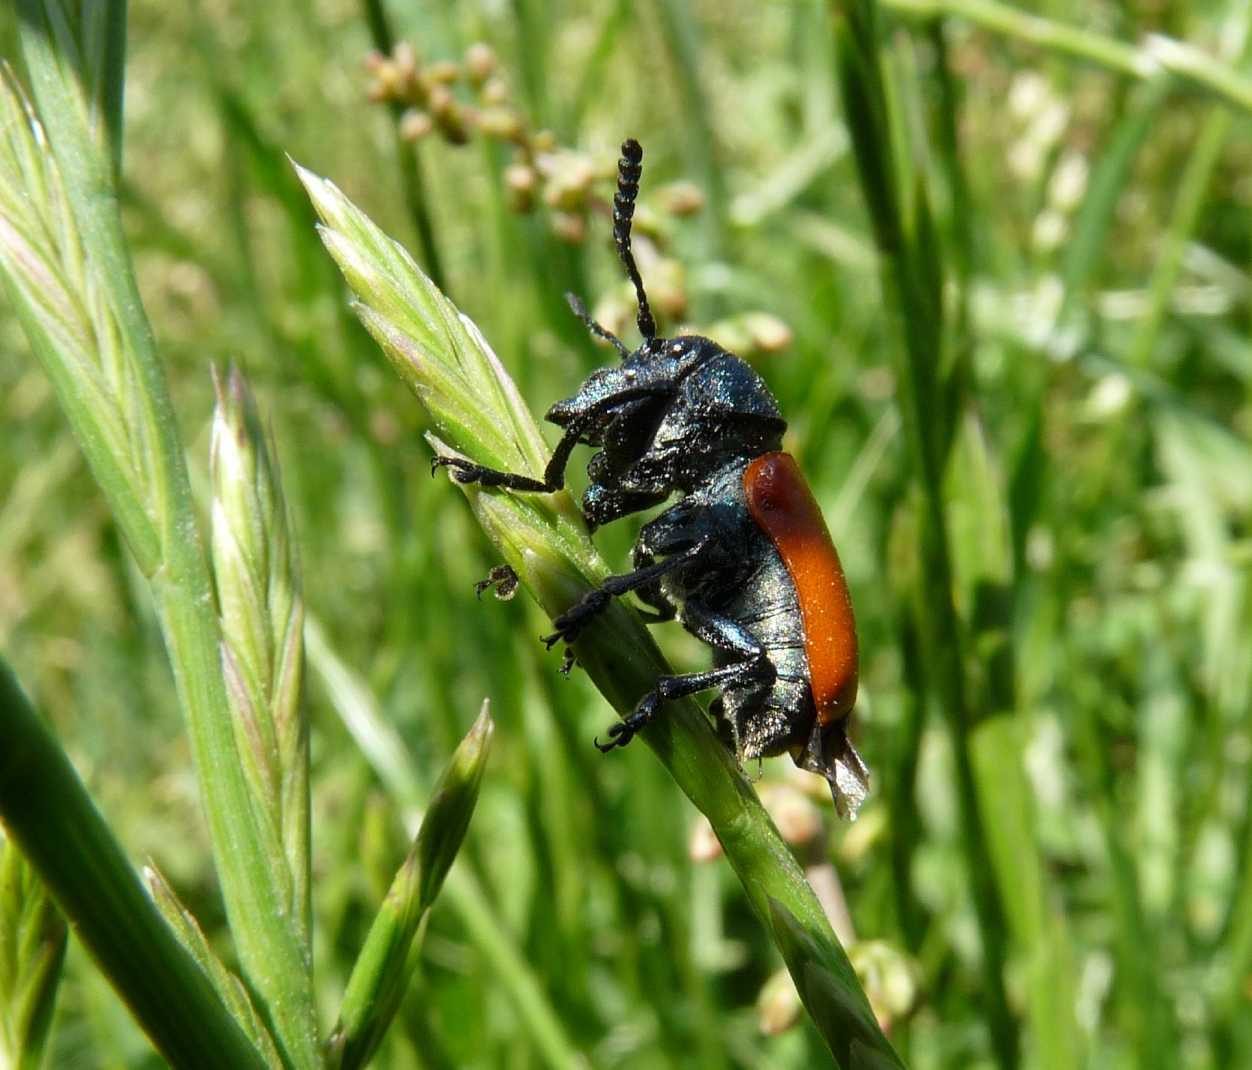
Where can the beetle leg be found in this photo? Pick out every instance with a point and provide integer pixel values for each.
(503, 579)
(664, 610)
(651, 594)
(464, 471)
(669, 688)
(722, 633)
(571, 623)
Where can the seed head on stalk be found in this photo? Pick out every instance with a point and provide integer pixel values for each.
(262, 618)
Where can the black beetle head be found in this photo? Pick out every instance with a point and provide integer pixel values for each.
(673, 411)
(665, 419)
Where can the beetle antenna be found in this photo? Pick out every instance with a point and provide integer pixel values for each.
(629, 168)
(600, 331)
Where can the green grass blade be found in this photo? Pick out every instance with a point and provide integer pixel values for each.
(682, 33)
(824, 984)
(229, 988)
(47, 811)
(1196, 176)
(1037, 927)
(1156, 56)
(32, 951)
(1037, 30)
(385, 965)
(1086, 250)
(383, 749)
(412, 178)
(911, 277)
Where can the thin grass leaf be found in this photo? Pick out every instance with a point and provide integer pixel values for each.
(375, 736)
(448, 364)
(153, 503)
(386, 963)
(1086, 250)
(360, 712)
(681, 32)
(47, 812)
(1144, 1008)
(911, 275)
(824, 985)
(1194, 182)
(412, 178)
(1037, 927)
(229, 988)
(1155, 57)
(32, 950)
(979, 521)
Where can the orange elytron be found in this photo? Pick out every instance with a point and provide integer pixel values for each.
(781, 503)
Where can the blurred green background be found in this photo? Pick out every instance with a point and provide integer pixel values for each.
(1095, 232)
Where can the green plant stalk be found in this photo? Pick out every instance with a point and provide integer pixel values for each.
(1201, 71)
(1086, 247)
(980, 524)
(1237, 942)
(1049, 975)
(623, 662)
(229, 988)
(464, 893)
(1195, 179)
(533, 34)
(900, 787)
(911, 285)
(47, 811)
(1157, 56)
(269, 951)
(679, 26)
(1196, 175)
(32, 952)
(448, 364)
(359, 711)
(612, 22)
(1045, 33)
(412, 177)
(945, 116)
(382, 972)
(1146, 1011)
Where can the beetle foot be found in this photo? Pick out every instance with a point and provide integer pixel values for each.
(463, 471)
(619, 735)
(624, 731)
(503, 579)
(567, 662)
(569, 625)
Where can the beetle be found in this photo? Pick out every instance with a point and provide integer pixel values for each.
(743, 558)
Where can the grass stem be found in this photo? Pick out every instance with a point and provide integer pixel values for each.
(271, 955)
(1154, 57)
(412, 176)
(46, 809)
(912, 287)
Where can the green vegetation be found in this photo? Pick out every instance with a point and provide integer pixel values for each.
(994, 263)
